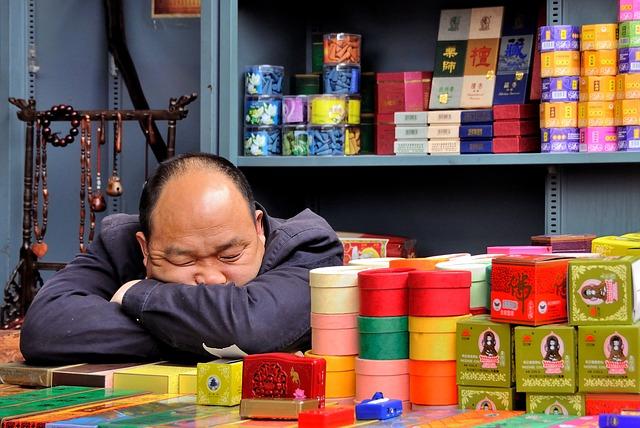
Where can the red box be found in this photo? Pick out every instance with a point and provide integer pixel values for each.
(327, 417)
(385, 134)
(529, 290)
(515, 128)
(403, 91)
(281, 375)
(516, 111)
(516, 144)
(398, 246)
(597, 404)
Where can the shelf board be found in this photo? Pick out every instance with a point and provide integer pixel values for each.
(425, 160)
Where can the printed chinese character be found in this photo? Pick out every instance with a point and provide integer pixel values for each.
(450, 52)
(449, 66)
(480, 56)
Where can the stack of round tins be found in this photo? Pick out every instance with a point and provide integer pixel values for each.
(442, 293)
(334, 290)
(480, 294)
(390, 376)
(334, 334)
(433, 339)
(383, 338)
(433, 383)
(341, 375)
(375, 262)
(384, 292)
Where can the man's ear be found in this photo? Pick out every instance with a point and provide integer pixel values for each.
(142, 241)
(259, 216)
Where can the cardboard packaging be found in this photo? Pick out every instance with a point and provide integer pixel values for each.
(516, 144)
(410, 147)
(545, 359)
(486, 398)
(597, 88)
(477, 91)
(450, 58)
(629, 138)
(565, 243)
(599, 139)
(511, 88)
(476, 146)
(616, 246)
(444, 147)
(598, 37)
(481, 57)
(276, 408)
(219, 382)
(486, 22)
(611, 403)
(628, 86)
(403, 91)
(162, 378)
(454, 24)
(560, 140)
(341, 375)
(599, 63)
(560, 63)
(559, 38)
(445, 93)
(596, 113)
(627, 112)
(628, 60)
(556, 404)
(560, 89)
(515, 111)
(628, 10)
(433, 383)
(629, 34)
(385, 134)
(559, 115)
(410, 118)
(515, 128)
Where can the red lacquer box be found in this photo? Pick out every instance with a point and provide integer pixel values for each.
(529, 289)
(515, 111)
(515, 128)
(516, 144)
(439, 293)
(597, 404)
(282, 375)
(403, 91)
(385, 134)
(384, 292)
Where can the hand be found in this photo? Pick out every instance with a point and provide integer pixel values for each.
(117, 298)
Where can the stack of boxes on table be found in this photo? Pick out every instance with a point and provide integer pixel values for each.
(628, 79)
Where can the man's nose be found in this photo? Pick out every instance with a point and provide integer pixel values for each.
(210, 276)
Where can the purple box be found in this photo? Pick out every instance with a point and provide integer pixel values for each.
(629, 60)
(560, 140)
(629, 138)
(559, 38)
(560, 89)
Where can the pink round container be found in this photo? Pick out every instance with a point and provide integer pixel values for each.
(389, 376)
(334, 334)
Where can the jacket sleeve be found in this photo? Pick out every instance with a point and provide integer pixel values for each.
(268, 314)
(72, 319)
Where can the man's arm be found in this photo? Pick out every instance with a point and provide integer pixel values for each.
(269, 313)
(72, 320)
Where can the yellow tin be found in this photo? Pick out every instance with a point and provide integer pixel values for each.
(341, 375)
(596, 113)
(327, 109)
(559, 115)
(597, 88)
(433, 338)
(599, 63)
(627, 112)
(599, 36)
(219, 383)
(628, 86)
(560, 63)
(353, 110)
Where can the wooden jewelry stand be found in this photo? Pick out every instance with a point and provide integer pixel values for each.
(25, 280)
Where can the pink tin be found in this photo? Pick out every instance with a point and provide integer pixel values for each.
(599, 139)
(334, 334)
(389, 376)
(519, 249)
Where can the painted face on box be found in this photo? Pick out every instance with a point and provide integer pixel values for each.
(489, 344)
(486, 404)
(596, 291)
(552, 349)
(616, 349)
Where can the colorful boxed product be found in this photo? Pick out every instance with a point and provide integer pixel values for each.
(529, 289)
(558, 115)
(532, 421)
(486, 398)
(519, 249)
(486, 22)
(560, 63)
(628, 60)
(454, 24)
(477, 418)
(410, 147)
(334, 290)
(481, 57)
(545, 359)
(597, 88)
(443, 131)
(515, 111)
(484, 352)
(93, 375)
(556, 404)
(276, 408)
(628, 86)
(341, 79)
(294, 109)
(564, 243)
(356, 246)
(627, 112)
(433, 383)
(599, 63)
(560, 89)
(403, 132)
(604, 291)
(383, 338)
(307, 84)
(559, 38)
(385, 134)
(611, 403)
(515, 54)
(153, 378)
(628, 10)
(629, 138)
(625, 420)
(352, 142)
(629, 34)
(515, 128)
(616, 246)
(596, 113)
(599, 36)
(281, 375)
(390, 376)
(341, 48)
(443, 147)
(384, 292)
(476, 146)
(450, 58)
(262, 110)
(479, 131)
(560, 140)
(516, 144)
(446, 93)
(511, 88)
(606, 358)
(599, 139)
(295, 140)
(457, 117)
(403, 91)
(327, 109)
(353, 110)
(433, 338)
(326, 140)
(477, 91)
(335, 334)
(439, 293)
(263, 80)
(327, 417)
(341, 375)
(219, 383)
(413, 118)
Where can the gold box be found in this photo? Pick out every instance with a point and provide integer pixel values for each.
(596, 113)
(628, 86)
(627, 112)
(559, 115)
(599, 36)
(597, 88)
(599, 63)
(220, 383)
(276, 408)
(560, 63)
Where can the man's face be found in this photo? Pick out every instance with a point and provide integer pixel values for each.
(202, 232)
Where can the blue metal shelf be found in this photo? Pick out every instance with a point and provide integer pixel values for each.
(419, 160)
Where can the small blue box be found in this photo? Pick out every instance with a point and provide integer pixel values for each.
(561, 89)
(476, 146)
(477, 116)
(511, 88)
(629, 60)
(476, 131)
(629, 138)
(559, 38)
(378, 407)
(560, 140)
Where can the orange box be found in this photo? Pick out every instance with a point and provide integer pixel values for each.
(560, 63)
(596, 113)
(628, 86)
(559, 115)
(627, 112)
(599, 36)
(433, 383)
(597, 88)
(599, 63)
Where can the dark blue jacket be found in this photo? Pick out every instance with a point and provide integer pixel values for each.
(72, 320)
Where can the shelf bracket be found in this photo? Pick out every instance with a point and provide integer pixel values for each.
(552, 200)
(555, 12)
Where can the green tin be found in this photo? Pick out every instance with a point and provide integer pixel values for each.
(384, 338)
(484, 353)
(607, 358)
(484, 398)
(556, 404)
(604, 291)
(546, 359)
(306, 84)
(629, 32)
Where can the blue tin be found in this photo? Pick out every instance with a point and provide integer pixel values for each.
(262, 141)
(263, 80)
(262, 110)
(560, 140)
(326, 140)
(341, 79)
(378, 407)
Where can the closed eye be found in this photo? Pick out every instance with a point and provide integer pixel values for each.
(230, 258)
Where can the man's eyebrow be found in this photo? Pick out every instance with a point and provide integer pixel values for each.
(234, 242)
(172, 250)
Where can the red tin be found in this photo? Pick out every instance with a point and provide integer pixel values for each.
(281, 375)
(515, 128)
(515, 111)
(529, 289)
(439, 293)
(384, 292)
(597, 404)
(327, 417)
(516, 144)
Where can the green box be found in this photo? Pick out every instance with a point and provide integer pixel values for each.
(484, 352)
(479, 398)
(629, 34)
(604, 291)
(530, 421)
(607, 357)
(562, 404)
(545, 358)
